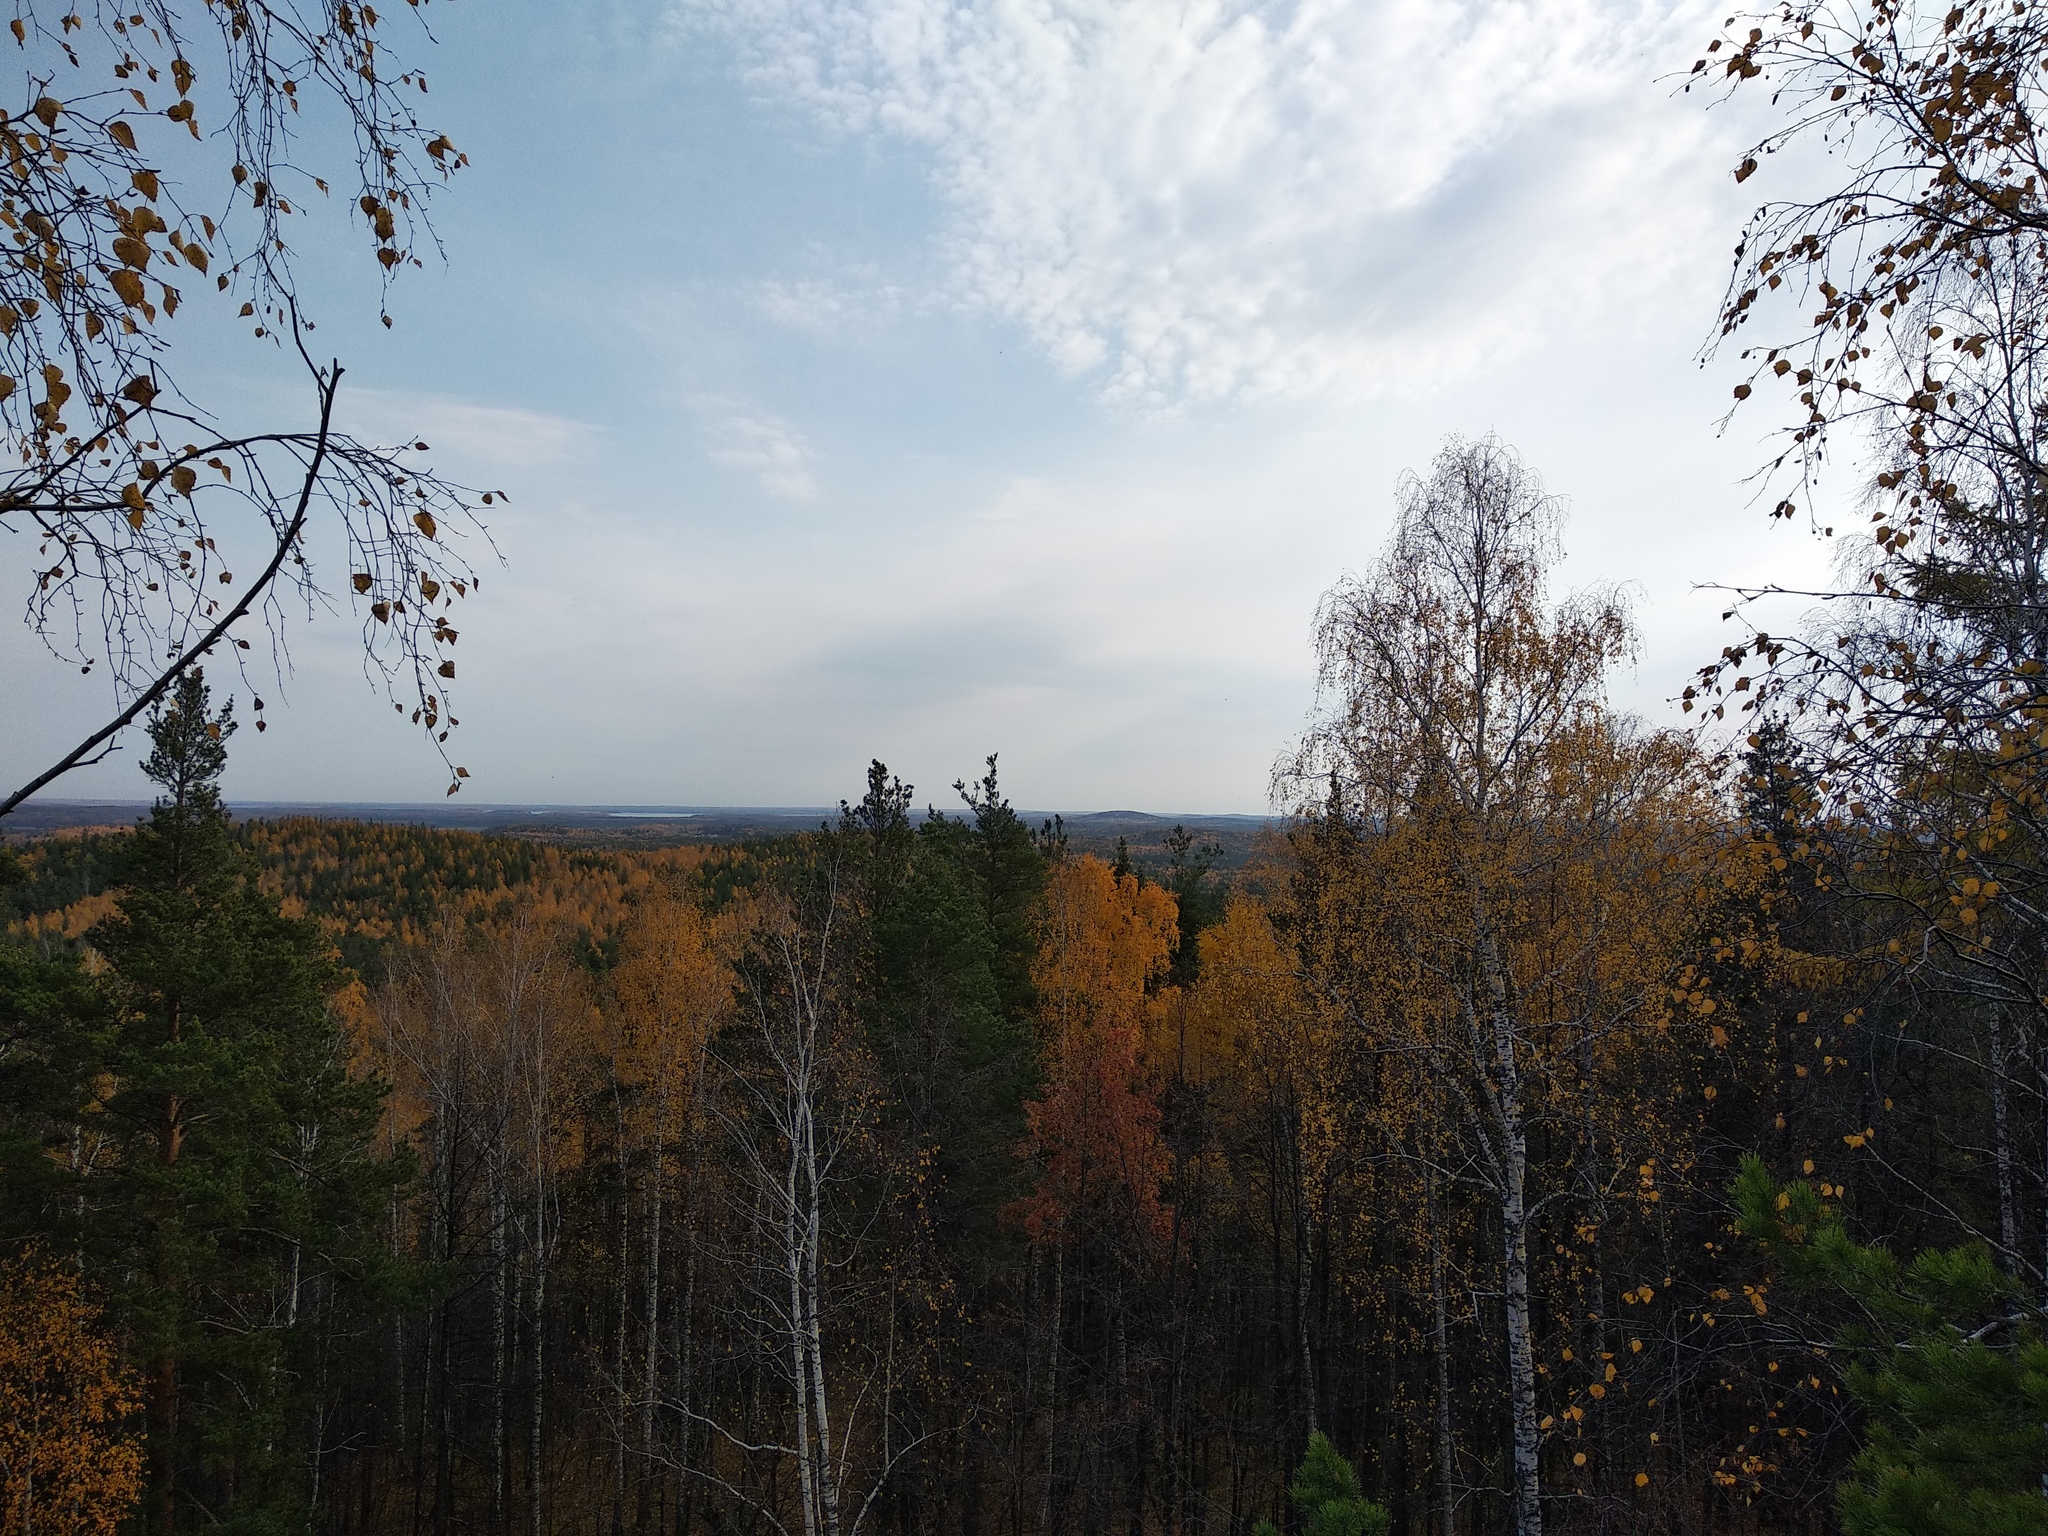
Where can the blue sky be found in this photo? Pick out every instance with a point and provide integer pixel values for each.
(915, 379)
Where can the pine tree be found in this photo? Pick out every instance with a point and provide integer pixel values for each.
(51, 1024)
(1325, 1490)
(1947, 1360)
(234, 1211)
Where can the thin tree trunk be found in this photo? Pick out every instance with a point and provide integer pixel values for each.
(2008, 1222)
(1048, 1495)
(535, 1517)
(813, 1326)
(798, 1364)
(1302, 1289)
(649, 1385)
(622, 1392)
(1440, 1341)
(501, 1258)
(1513, 1169)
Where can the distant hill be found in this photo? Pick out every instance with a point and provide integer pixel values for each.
(375, 873)
(645, 826)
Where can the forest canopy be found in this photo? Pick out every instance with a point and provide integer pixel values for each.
(1560, 1122)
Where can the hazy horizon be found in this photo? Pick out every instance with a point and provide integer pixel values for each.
(1018, 388)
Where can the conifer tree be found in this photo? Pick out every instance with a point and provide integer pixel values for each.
(243, 1180)
(1946, 1358)
(1325, 1490)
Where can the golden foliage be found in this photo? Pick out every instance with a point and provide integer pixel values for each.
(69, 1464)
(1095, 1129)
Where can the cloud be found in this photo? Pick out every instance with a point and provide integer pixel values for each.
(763, 446)
(829, 306)
(490, 435)
(1197, 200)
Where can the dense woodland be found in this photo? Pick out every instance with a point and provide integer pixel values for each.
(1561, 1122)
(923, 1173)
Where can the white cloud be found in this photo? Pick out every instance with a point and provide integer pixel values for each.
(1197, 200)
(499, 437)
(763, 446)
(828, 306)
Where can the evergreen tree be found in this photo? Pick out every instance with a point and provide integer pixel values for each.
(1947, 1360)
(240, 1186)
(1325, 1490)
(956, 1058)
(1009, 871)
(51, 1022)
(1198, 899)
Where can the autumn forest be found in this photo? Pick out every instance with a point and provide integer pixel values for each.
(1555, 1119)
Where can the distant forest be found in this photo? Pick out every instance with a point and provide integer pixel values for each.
(1557, 1122)
(1550, 1123)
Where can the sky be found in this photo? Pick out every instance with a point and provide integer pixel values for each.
(921, 379)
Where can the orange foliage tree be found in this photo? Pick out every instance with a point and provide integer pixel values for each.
(672, 990)
(1499, 880)
(1095, 1130)
(69, 1463)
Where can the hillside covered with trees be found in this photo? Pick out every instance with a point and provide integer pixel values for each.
(930, 1175)
(1562, 1122)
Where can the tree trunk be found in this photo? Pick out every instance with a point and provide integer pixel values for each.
(799, 1364)
(1440, 1343)
(535, 1517)
(649, 1385)
(622, 1391)
(501, 1258)
(2008, 1223)
(813, 1326)
(1513, 1155)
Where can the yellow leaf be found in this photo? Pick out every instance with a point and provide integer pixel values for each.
(127, 285)
(118, 131)
(424, 521)
(146, 183)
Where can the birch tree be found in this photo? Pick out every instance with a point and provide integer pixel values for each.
(1494, 863)
(798, 1104)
